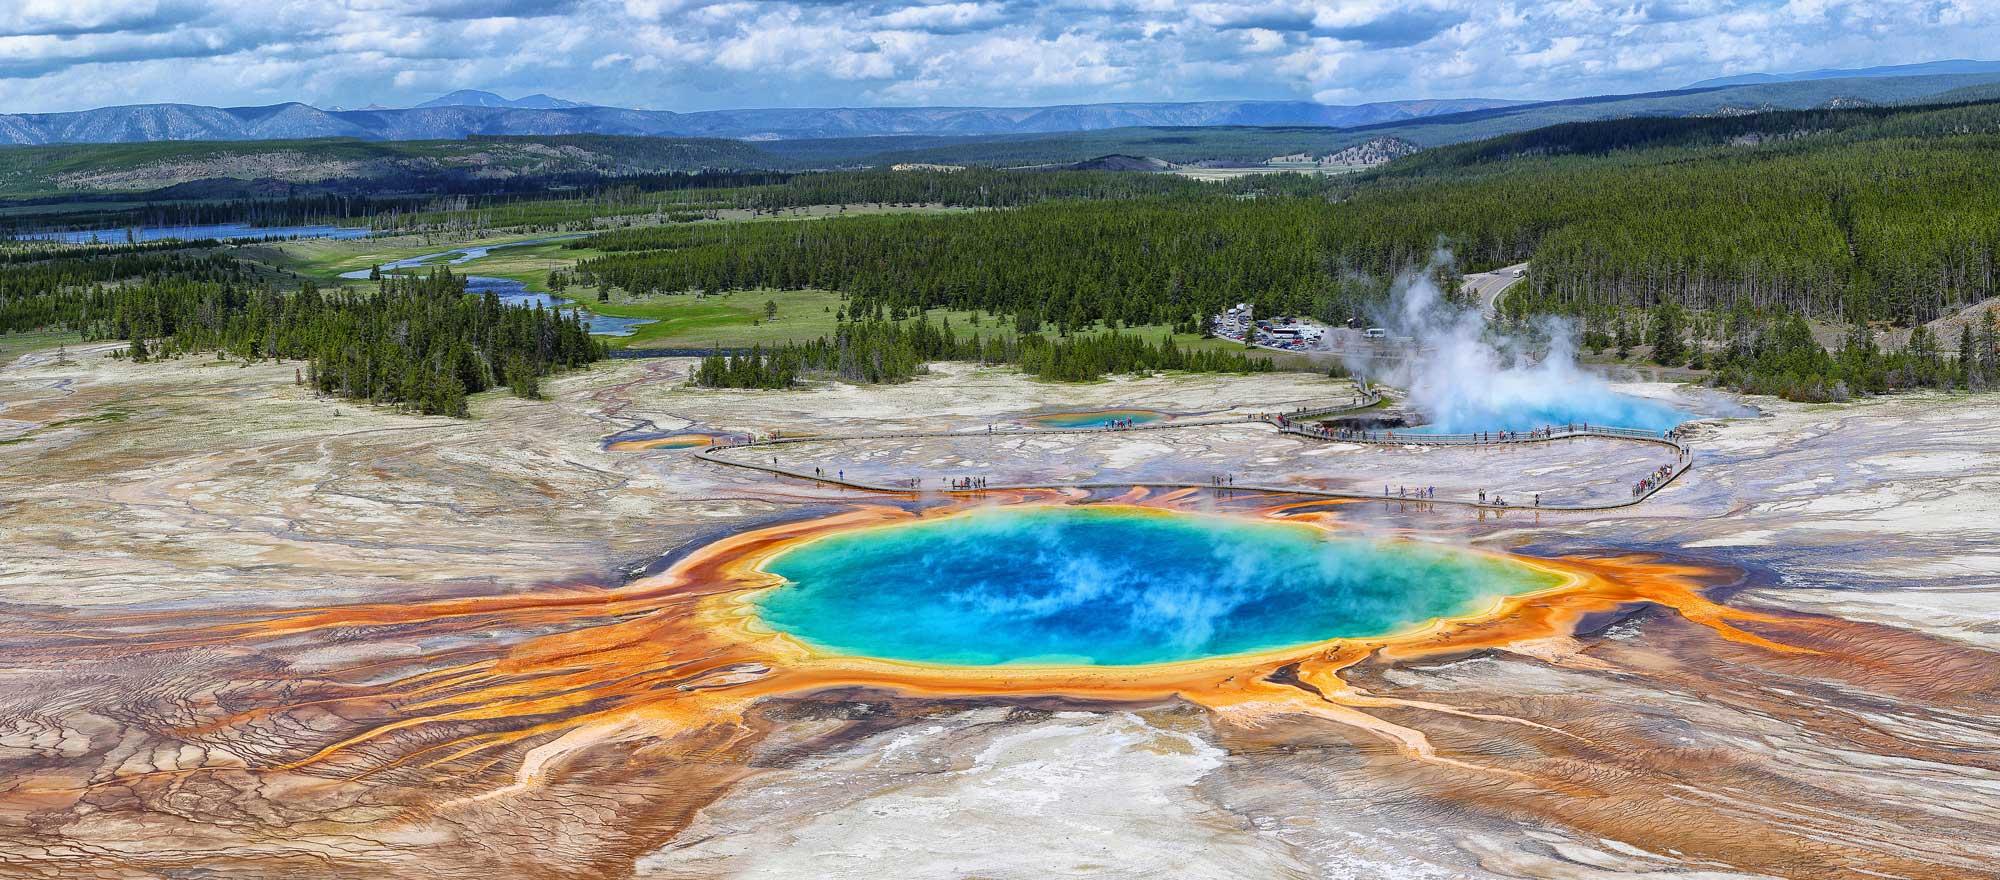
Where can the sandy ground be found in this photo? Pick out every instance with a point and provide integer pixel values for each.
(1646, 747)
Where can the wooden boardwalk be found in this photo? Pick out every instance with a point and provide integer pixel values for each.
(1288, 423)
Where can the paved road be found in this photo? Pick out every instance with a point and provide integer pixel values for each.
(1487, 286)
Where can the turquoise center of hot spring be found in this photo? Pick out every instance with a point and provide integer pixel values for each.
(1115, 587)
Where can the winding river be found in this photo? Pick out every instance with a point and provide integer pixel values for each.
(510, 291)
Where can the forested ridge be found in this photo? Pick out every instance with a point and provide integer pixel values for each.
(583, 201)
(1636, 138)
(697, 197)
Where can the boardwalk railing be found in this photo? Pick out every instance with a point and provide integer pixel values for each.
(1367, 399)
(1488, 438)
(1289, 423)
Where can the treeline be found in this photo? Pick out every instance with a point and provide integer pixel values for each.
(1088, 357)
(57, 292)
(1892, 230)
(1897, 229)
(705, 196)
(42, 251)
(1063, 264)
(418, 341)
(873, 352)
(390, 204)
(1777, 354)
(422, 342)
(974, 187)
(191, 210)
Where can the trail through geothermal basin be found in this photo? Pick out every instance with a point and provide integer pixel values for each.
(1116, 586)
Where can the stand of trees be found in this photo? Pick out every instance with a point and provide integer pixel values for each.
(1775, 352)
(67, 292)
(1062, 264)
(417, 341)
(873, 352)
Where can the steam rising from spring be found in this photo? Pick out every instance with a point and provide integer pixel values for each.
(1465, 374)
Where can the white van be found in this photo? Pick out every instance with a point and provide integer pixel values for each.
(1375, 333)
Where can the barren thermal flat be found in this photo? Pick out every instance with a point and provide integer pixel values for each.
(249, 636)
(1577, 472)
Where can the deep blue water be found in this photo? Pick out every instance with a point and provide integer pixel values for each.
(1114, 586)
(191, 233)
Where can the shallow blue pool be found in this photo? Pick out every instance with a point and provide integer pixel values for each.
(1604, 409)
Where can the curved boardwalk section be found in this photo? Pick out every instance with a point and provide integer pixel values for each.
(1569, 469)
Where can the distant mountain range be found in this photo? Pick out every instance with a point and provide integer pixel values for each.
(1928, 68)
(1201, 131)
(466, 113)
(477, 98)
(262, 168)
(471, 112)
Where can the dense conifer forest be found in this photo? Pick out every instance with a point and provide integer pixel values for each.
(415, 341)
(875, 351)
(1902, 229)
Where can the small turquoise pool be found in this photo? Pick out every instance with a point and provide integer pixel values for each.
(1115, 586)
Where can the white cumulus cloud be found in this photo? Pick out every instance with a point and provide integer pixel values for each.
(705, 54)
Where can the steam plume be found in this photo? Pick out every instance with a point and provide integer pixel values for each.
(1467, 375)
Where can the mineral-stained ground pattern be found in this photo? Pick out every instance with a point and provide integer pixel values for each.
(248, 633)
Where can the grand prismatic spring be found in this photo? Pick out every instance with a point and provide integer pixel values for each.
(631, 653)
(797, 440)
(1115, 586)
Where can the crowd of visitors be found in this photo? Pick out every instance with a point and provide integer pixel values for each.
(1652, 481)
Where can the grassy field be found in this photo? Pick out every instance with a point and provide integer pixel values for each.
(13, 345)
(735, 319)
(731, 320)
(324, 259)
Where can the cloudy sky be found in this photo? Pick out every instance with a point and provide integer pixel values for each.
(697, 55)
